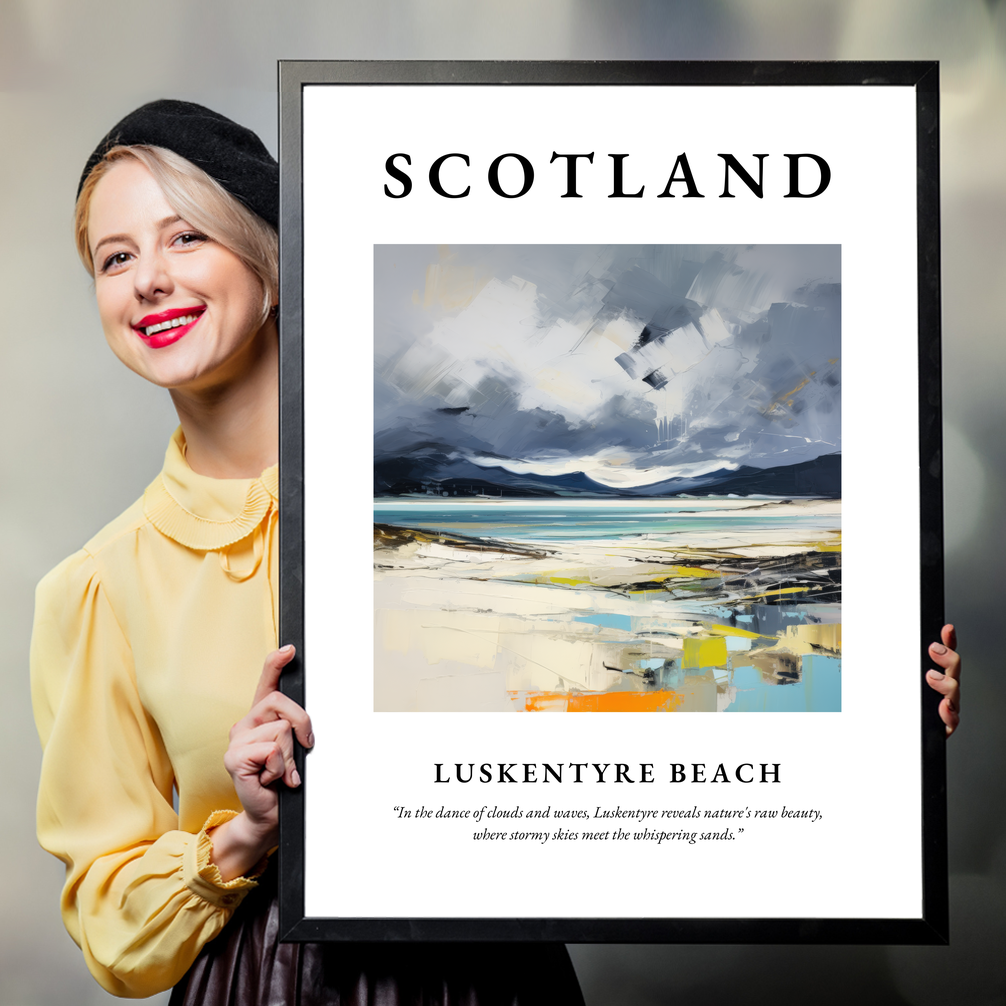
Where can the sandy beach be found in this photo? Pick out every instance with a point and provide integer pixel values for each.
(737, 617)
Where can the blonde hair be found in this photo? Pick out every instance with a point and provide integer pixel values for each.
(199, 200)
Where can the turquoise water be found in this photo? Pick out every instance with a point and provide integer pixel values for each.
(522, 520)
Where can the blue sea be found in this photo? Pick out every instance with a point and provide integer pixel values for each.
(564, 520)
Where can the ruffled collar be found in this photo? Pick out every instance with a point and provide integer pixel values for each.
(203, 513)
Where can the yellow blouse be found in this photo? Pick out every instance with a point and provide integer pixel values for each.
(147, 647)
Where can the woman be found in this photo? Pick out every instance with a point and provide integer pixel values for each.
(148, 643)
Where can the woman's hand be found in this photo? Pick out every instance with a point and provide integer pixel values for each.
(260, 753)
(947, 682)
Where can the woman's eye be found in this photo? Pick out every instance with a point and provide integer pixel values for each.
(190, 238)
(114, 261)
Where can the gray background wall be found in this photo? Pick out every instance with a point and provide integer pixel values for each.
(82, 436)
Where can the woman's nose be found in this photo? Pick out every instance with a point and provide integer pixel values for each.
(152, 277)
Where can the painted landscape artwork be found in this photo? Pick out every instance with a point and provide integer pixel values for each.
(607, 478)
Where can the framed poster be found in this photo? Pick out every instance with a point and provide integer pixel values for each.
(612, 389)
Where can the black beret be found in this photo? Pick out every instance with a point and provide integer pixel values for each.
(231, 154)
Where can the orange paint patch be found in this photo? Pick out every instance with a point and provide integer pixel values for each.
(600, 702)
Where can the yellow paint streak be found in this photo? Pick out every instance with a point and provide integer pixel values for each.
(775, 593)
(731, 630)
(788, 396)
(704, 652)
(678, 571)
(803, 384)
(832, 544)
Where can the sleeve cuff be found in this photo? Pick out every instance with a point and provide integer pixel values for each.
(202, 876)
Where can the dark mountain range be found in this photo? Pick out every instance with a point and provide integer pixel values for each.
(433, 473)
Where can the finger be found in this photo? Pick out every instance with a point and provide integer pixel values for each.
(276, 706)
(947, 686)
(279, 733)
(948, 659)
(274, 766)
(950, 716)
(949, 708)
(259, 760)
(271, 670)
(949, 636)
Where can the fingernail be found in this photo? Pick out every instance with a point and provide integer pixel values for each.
(295, 777)
(938, 648)
(287, 649)
(936, 676)
(310, 740)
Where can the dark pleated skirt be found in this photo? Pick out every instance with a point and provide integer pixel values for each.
(246, 965)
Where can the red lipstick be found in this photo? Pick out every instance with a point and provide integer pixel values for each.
(166, 325)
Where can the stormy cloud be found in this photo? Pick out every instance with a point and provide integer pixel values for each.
(632, 365)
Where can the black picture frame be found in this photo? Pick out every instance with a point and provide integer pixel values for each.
(931, 927)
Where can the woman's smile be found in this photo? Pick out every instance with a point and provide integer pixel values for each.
(166, 327)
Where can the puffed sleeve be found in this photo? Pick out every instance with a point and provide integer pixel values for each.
(141, 898)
